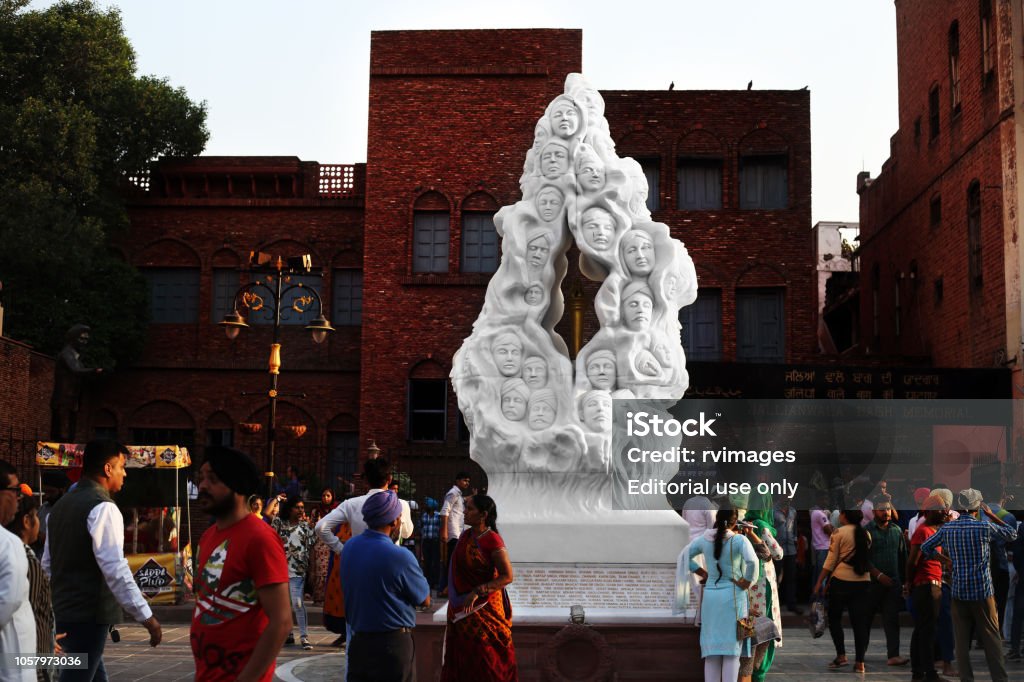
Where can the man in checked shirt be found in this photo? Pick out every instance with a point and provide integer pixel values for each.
(966, 543)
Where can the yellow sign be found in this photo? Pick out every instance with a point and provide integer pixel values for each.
(69, 455)
(156, 576)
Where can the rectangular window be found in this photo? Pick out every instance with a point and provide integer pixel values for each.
(430, 242)
(226, 282)
(759, 325)
(764, 182)
(988, 63)
(954, 67)
(343, 457)
(348, 298)
(933, 113)
(935, 212)
(702, 327)
(173, 294)
(652, 171)
(289, 299)
(479, 243)
(428, 416)
(699, 183)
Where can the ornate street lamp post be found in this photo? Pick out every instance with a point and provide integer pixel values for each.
(271, 287)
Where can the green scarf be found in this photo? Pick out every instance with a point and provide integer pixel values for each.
(761, 514)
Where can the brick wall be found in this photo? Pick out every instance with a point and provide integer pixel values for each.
(451, 113)
(964, 325)
(26, 383)
(733, 248)
(209, 213)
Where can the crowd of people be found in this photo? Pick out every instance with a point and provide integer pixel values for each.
(256, 564)
(954, 562)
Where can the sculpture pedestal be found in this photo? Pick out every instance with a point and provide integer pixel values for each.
(609, 537)
(612, 645)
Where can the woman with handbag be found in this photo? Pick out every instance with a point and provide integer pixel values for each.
(764, 594)
(725, 623)
(849, 588)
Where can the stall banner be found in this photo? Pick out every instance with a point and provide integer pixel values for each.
(155, 576)
(69, 455)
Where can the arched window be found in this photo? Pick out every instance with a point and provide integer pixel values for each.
(480, 244)
(430, 233)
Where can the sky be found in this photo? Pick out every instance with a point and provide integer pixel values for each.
(292, 78)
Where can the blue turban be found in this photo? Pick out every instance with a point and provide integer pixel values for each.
(380, 509)
(431, 503)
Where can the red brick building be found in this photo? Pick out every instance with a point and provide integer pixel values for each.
(407, 247)
(940, 249)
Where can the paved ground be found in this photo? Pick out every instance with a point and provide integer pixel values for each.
(802, 659)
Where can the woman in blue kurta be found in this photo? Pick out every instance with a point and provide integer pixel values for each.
(731, 568)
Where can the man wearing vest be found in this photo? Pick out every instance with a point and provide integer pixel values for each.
(89, 576)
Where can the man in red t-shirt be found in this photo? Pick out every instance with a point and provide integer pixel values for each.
(242, 613)
(924, 586)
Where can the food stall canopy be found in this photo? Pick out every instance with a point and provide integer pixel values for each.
(69, 456)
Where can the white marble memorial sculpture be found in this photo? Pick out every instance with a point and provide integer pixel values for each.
(540, 427)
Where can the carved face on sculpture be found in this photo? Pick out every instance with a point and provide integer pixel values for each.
(590, 172)
(542, 409)
(598, 228)
(564, 117)
(549, 201)
(538, 249)
(585, 96)
(637, 309)
(596, 410)
(671, 287)
(638, 252)
(592, 102)
(535, 372)
(507, 351)
(540, 135)
(554, 159)
(601, 370)
(534, 295)
(514, 398)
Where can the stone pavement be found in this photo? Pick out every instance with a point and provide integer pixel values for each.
(801, 659)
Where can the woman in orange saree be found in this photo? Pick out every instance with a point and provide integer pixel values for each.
(478, 640)
(334, 598)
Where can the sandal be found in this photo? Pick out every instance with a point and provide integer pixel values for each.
(859, 668)
(838, 662)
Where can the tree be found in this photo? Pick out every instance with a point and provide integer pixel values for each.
(75, 122)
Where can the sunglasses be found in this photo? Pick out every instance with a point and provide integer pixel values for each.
(16, 489)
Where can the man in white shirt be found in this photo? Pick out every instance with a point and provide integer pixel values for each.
(452, 522)
(377, 473)
(17, 624)
(89, 576)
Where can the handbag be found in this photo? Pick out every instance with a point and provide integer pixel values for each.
(765, 630)
(745, 625)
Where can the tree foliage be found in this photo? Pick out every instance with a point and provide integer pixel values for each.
(75, 121)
